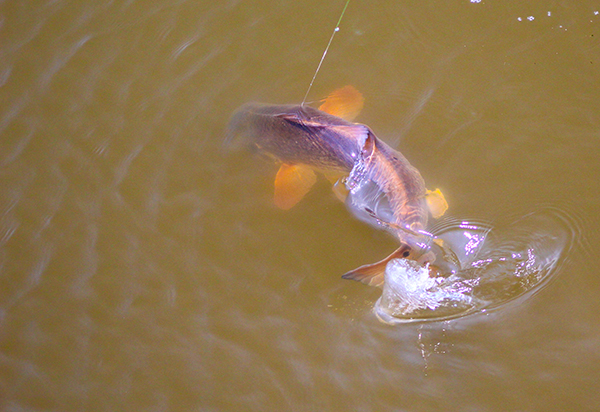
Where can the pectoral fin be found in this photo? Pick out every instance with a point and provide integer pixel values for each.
(373, 274)
(337, 184)
(436, 202)
(291, 184)
(346, 103)
(339, 190)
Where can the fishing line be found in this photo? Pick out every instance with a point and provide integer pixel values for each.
(337, 28)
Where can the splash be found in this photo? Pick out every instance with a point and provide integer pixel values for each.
(486, 267)
(410, 291)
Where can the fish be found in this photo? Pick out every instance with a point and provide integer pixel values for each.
(377, 183)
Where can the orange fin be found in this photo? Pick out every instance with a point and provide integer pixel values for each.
(346, 103)
(291, 184)
(373, 274)
(436, 202)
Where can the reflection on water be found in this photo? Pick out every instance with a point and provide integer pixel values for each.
(482, 268)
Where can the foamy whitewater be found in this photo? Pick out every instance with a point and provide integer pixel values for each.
(486, 268)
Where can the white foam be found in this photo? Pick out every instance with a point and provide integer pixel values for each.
(409, 288)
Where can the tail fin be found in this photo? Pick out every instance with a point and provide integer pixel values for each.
(373, 274)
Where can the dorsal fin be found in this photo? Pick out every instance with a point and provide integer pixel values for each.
(346, 102)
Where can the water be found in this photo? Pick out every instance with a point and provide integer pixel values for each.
(141, 268)
(481, 269)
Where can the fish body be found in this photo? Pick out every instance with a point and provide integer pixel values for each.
(295, 134)
(384, 188)
(382, 183)
(381, 187)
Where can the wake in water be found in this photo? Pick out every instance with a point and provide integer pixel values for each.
(483, 268)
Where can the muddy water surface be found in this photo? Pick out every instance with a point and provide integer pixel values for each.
(142, 268)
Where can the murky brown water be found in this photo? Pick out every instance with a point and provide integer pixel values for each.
(141, 268)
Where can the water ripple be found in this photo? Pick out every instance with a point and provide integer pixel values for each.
(483, 268)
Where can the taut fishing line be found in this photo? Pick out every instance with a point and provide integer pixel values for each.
(337, 28)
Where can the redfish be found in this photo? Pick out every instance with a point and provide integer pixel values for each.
(377, 183)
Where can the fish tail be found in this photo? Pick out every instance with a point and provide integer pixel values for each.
(373, 274)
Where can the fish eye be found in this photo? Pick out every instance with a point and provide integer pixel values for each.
(406, 253)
